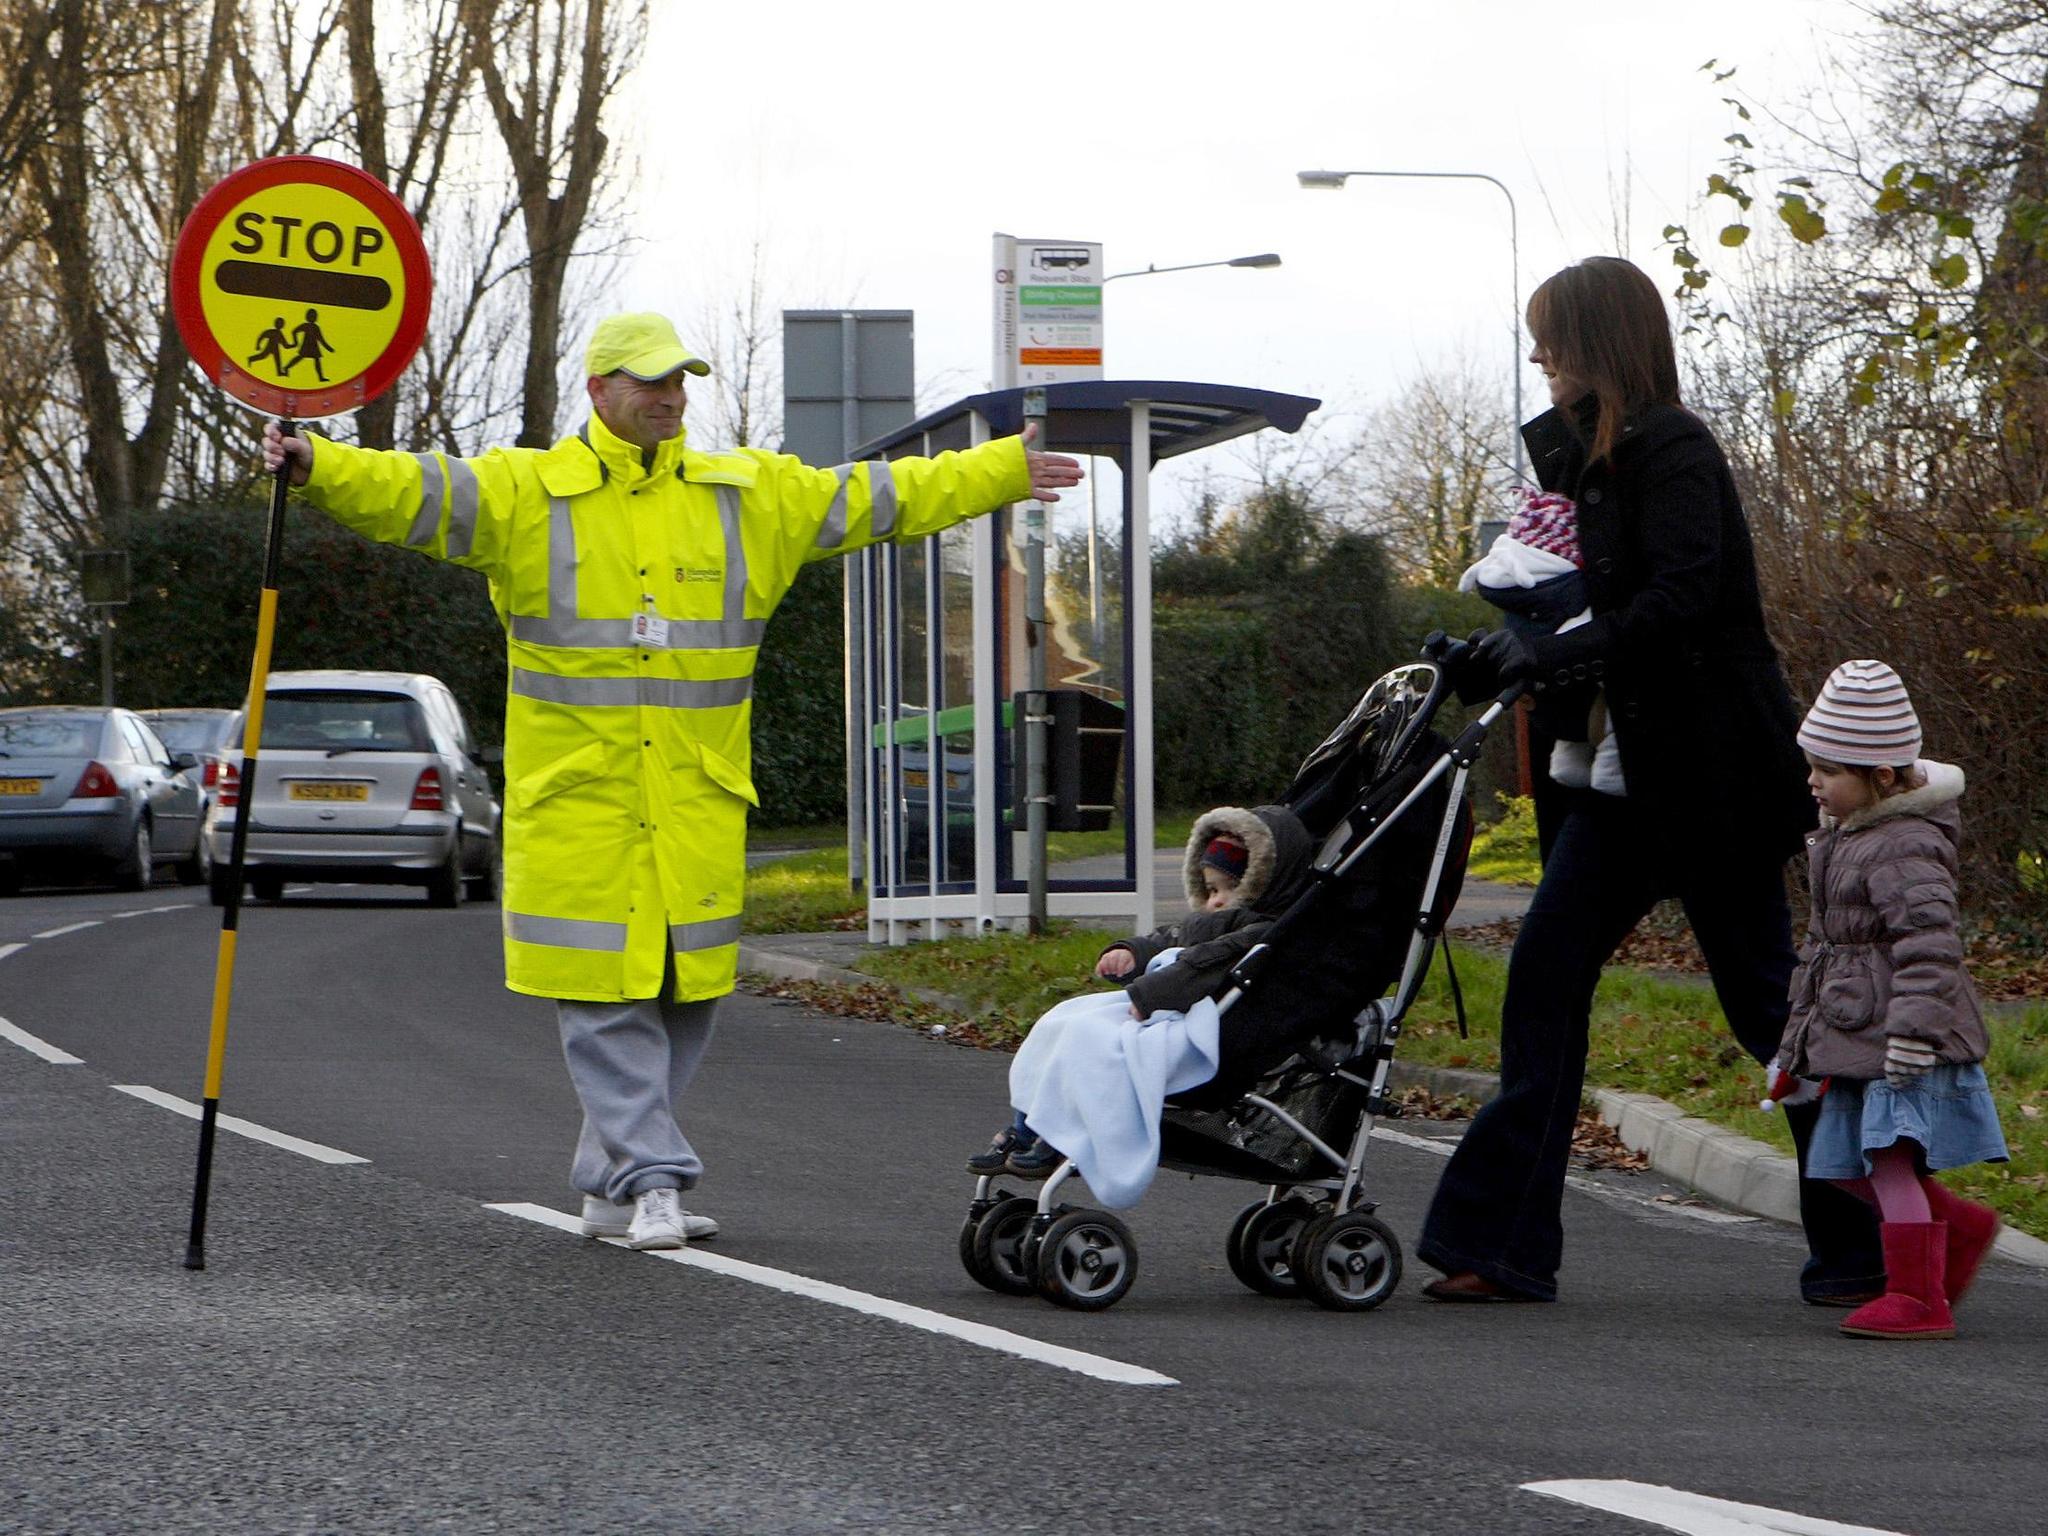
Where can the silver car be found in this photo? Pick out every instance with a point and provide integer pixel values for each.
(363, 776)
(93, 791)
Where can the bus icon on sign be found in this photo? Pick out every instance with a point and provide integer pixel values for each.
(1061, 258)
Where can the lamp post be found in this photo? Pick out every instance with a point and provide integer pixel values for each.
(1261, 261)
(1334, 180)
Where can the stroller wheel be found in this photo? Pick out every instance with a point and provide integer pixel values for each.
(991, 1245)
(1085, 1260)
(1348, 1263)
(1260, 1247)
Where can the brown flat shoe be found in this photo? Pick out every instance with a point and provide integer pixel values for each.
(1468, 1286)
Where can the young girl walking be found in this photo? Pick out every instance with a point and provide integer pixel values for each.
(1881, 1005)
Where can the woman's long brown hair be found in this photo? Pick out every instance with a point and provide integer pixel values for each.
(1603, 324)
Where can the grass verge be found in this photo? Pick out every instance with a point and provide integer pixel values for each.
(809, 893)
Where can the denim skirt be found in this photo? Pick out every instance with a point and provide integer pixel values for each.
(1949, 1112)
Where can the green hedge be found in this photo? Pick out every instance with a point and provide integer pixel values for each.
(800, 705)
(188, 636)
(1246, 683)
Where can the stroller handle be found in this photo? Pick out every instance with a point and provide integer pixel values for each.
(1451, 656)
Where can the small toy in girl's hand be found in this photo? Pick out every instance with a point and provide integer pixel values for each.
(1781, 1087)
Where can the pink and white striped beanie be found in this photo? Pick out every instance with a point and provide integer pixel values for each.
(1862, 719)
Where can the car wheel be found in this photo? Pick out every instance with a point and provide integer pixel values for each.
(444, 885)
(10, 878)
(136, 871)
(219, 884)
(196, 869)
(267, 887)
(490, 881)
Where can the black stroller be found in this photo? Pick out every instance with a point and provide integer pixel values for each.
(1305, 1075)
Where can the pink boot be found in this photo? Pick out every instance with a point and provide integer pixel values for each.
(1972, 1229)
(1913, 1305)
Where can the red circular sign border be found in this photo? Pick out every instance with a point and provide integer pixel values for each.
(189, 312)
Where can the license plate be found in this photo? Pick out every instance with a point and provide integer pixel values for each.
(21, 786)
(329, 792)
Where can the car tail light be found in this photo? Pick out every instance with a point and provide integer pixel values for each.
(426, 794)
(95, 784)
(227, 783)
(211, 775)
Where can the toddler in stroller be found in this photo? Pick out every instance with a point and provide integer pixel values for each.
(1304, 1029)
(1088, 1081)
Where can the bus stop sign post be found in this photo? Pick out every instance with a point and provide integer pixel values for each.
(292, 262)
(1036, 715)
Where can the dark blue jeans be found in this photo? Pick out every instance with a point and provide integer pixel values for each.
(1497, 1209)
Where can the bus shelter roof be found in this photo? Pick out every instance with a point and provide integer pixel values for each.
(1094, 416)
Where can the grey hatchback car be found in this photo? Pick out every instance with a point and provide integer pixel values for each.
(369, 777)
(93, 791)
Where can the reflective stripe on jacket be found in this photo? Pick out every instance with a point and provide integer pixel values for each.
(627, 758)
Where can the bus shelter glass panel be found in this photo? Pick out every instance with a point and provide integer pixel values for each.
(911, 735)
(955, 704)
(1086, 576)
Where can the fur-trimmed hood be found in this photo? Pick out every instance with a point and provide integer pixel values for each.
(1278, 853)
(1935, 800)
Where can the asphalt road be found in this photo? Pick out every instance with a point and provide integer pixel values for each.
(372, 1348)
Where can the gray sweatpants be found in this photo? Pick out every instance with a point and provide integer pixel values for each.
(630, 1063)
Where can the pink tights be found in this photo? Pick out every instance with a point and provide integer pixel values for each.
(1894, 1184)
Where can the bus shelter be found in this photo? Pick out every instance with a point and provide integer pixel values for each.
(936, 659)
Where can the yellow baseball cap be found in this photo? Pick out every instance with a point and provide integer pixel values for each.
(644, 345)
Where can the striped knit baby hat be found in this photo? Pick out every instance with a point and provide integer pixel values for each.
(1862, 719)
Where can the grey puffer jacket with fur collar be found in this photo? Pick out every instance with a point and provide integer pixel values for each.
(1883, 955)
(1279, 854)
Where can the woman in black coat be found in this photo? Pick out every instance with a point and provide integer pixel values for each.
(1715, 801)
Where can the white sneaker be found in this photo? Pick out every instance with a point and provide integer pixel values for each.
(659, 1221)
(603, 1219)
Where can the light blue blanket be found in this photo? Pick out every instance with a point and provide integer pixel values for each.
(1092, 1080)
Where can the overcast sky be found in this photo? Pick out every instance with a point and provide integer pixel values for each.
(871, 151)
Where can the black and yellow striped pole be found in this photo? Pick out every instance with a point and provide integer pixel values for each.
(312, 233)
(231, 909)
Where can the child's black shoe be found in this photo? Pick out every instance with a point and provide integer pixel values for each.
(1034, 1159)
(997, 1158)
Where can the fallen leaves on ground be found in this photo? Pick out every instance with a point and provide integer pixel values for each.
(1418, 1103)
(880, 1004)
(1595, 1144)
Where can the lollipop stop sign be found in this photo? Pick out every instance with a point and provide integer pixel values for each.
(301, 286)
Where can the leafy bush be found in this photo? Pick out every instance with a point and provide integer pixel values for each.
(189, 634)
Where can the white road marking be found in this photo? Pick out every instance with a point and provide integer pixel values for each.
(42, 1048)
(1101, 1368)
(1438, 1147)
(247, 1128)
(8, 949)
(1694, 1514)
(58, 933)
(175, 906)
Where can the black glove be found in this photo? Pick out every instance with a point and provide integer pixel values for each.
(1506, 656)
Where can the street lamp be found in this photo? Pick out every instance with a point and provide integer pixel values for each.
(1263, 259)
(1334, 180)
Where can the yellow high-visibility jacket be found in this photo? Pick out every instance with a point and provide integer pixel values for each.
(627, 754)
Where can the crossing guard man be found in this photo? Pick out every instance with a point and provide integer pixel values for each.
(634, 577)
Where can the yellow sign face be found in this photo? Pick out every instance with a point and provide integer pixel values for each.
(305, 284)
(301, 286)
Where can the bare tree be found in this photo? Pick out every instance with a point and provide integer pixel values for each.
(548, 67)
(1429, 471)
(743, 341)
